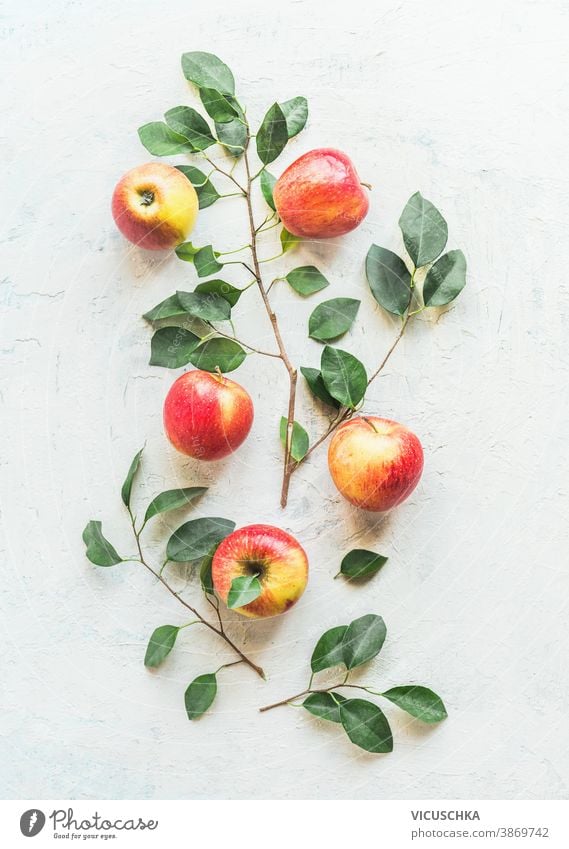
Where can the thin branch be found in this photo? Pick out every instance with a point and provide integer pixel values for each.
(245, 345)
(227, 174)
(323, 690)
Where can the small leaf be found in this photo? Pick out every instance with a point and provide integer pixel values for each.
(288, 241)
(360, 563)
(445, 280)
(206, 262)
(418, 701)
(424, 230)
(188, 123)
(267, 186)
(332, 318)
(363, 640)
(272, 135)
(313, 377)
(344, 376)
(200, 695)
(218, 353)
(220, 287)
(99, 550)
(172, 499)
(171, 347)
(160, 645)
(205, 190)
(207, 71)
(244, 589)
(217, 105)
(233, 136)
(169, 308)
(366, 725)
(324, 705)
(306, 280)
(127, 485)
(296, 114)
(194, 539)
(389, 280)
(206, 577)
(160, 140)
(300, 439)
(329, 649)
(187, 251)
(209, 306)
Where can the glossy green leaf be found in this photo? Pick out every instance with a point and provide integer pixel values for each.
(200, 695)
(306, 280)
(160, 140)
(424, 230)
(160, 645)
(267, 186)
(272, 135)
(99, 550)
(126, 489)
(324, 705)
(389, 280)
(329, 649)
(218, 353)
(171, 347)
(205, 190)
(332, 318)
(233, 136)
(344, 376)
(220, 287)
(206, 262)
(300, 439)
(206, 577)
(366, 725)
(445, 280)
(209, 306)
(288, 241)
(217, 105)
(188, 123)
(360, 563)
(169, 308)
(313, 377)
(208, 71)
(187, 251)
(363, 640)
(418, 701)
(194, 539)
(296, 114)
(172, 499)
(243, 590)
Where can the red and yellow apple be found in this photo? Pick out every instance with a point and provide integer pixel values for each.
(274, 556)
(207, 416)
(320, 195)
(375, 463)
(155, 206)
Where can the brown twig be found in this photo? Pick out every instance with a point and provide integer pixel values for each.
(309, 691)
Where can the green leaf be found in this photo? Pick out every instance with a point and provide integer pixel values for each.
(243, 590)
(218, 353)
(187, 251)
(267, 186)
(206, 263)
(445, 280)
(127, 485)
(300, 440)
(171, 347)
(363, 640)
(329, 649)
(172, 499)
(160, 645)
(99, 550)
(207, 71)
(200, 695)
(217, 105)
(418, 701)
(360, 563)
(296, 113)
(272, 135)
(194, 539)
(288, 241)
(313, 377)
(332, 318)
(424, 230)
(324, 705)
(233, 136)
(209, 306)
(389, 280)
(220, 287)
(306, 280)
(206, 577)
(205, 190)
(344, 376)
(188, 123)
(366, 725)
(168, 308)
(160, 140)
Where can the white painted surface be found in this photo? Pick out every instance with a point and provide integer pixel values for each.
(463, 101)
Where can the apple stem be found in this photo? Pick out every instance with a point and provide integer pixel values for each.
(367, 186)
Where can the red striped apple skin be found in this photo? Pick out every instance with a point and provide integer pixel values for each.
(320, 195)
(276, 555)
(375, 463)
(207, 416)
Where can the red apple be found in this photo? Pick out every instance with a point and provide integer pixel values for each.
(277, 559)
(207, 416)
(375, 463)
(320, 195)
(155, 206)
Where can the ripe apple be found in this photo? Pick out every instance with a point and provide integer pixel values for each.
(207, 416)
(155, 206)
(320, 195)
(274, 556)
(375, 463)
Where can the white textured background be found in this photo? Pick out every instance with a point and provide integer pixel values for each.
(463, 101)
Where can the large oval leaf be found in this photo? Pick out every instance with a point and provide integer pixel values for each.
(200, 695)
(188, 123)
(209, 306)
(329, 649)
(218, 353)
(306, 280)
(168, 308)
(389, 280)
(99, 550)
(172, 499)
(332, 318)
(195, 538)
(324, 705)
(273, 135)
(313, 377)
(445, 280)
(160, 645)
(360, 563)
(363, 640)
(267, 186)
(244, 589)
(418, 701)
(366, 725)
(217, 105)
(171, 347)
(296, 114)
(206, 262)
(208, 71)
(127, 485)
(233, 136)
(220, 287)
(205, 190)
(160, 140)
(424, 230)
(344, 376)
